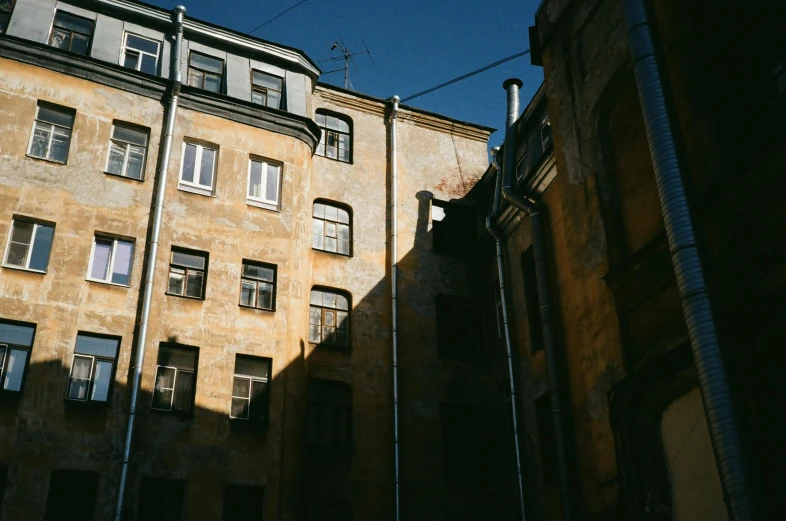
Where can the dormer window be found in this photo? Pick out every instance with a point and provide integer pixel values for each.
(266, 89)
(205, 72)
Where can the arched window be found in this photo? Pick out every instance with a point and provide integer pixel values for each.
(328, 321)
(336, 140)
(331, 227)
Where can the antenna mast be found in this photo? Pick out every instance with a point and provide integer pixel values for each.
(346, 57)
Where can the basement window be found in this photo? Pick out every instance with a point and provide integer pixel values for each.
(6, 7)
(205, 72)
(266, 89)
(51, 136)
(16, 340)
(187, 273)
(93, 368)
(329, 318)
(243, 503)
(127, 151)
(71, 33)
(264, 183)
(111, 260)
(29, 245)
(140, 54)
(175, 378)
(251, 388)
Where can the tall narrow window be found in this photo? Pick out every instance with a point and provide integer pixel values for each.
(72, 495)
(197, 168)
(243, 503)
(141, 54)
(6, 7)
(458, 327)
(258, 285)
(264, 183)
(175, 379)
(111, 260)
(205, 72)
(266, 89)
(250, 388)
(127, 151)
(72, 33)
(16, 340)
(545, 135)
(453, 228)
(329, 414)
(532, 299)
(160, 499)
(329, 318)
(336, 139)
(51, 132)
(29, 245)
(331, 228)
(93, 368)
(499, 311)
(187, 273)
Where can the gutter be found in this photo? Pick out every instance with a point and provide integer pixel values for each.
(394, 285)
(152, 254)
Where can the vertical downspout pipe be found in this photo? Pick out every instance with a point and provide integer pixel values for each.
(498, 238)
(394, 286)
(713, 378)
(538, 227)
(152, 253)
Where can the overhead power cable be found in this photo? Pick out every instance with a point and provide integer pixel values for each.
(465, 76)
(279, 15)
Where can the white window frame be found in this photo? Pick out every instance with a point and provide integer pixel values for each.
(194, 186)
(174, 386)
(29, 246)
(544, 143)
(89, 379)
(251, 380)
(264, 201)
(126, 47)
(112, 255)
(52, 127)
(127, 145)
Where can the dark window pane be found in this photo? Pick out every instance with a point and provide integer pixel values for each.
(258, 272)
(265, 295)
(121, 272)
(162, 399)
(240, 408)
(177, 357)
(73, 23)
(243, 503)
(72, 495)
(206, 171)
(142, 44)
(102, 379)
(17, 334)
(194, 283)
(184, 392)
(191, 260)
(252, 366)
(131, 135)
(56, 115)
(149, 64)
(259, 400)
(247, 292)
(79, 43)
(60, 39)
(131, 59)
(212, 82)
(207, 63)
(176, 281)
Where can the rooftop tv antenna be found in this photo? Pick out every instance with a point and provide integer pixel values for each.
(347, 57)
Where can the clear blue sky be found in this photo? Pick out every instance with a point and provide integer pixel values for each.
(416, 44)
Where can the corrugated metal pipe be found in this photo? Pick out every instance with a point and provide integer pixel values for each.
(713, 379)
(179, 13)
(498, 238)
(538, 227)
(394, 284)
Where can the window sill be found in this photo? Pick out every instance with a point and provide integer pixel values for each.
(45, 160)
(195, 190)
(118, 176)
(20, 268)
(86, 404)
(184, 296)
(106, 283)
(263, 205)
(337, 160)
(333, 253)
(174, 414)
(332, 347)
(253, 308)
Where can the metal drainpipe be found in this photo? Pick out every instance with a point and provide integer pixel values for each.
(713, 379)
(498, 238)
(150, 262)
(393, 285)
(544, 296)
